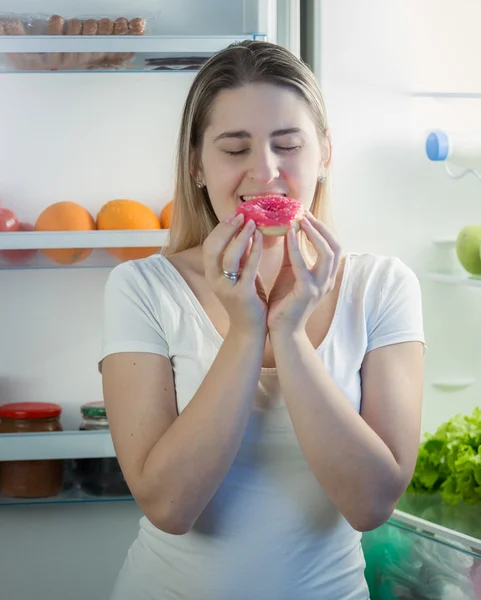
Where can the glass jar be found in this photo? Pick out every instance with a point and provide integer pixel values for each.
(98, 476)
(30, 478)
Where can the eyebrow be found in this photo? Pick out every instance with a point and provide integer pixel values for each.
(242, 134)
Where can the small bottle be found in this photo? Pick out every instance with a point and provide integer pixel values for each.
(98, 476)
(461, 149)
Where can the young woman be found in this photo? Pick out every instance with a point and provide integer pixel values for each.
(263, 393)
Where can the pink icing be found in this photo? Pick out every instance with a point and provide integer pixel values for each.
(271, 210)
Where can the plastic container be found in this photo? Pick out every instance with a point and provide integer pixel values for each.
(459, 148)
(98, 476)
(31, 478)
(87, 25)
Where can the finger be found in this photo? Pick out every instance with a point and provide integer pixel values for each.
(286, 261)
(225, 232)
(323, 267)
(237, 248)
(247, 251)
(249, 272)
(324, 231)
(216, 243)
(331, 239)
(297, 261)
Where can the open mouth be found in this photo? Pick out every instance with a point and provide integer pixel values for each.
(266, 195)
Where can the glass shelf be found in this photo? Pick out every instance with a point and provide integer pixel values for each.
(56, 445)
(70, 495)
(455, 278)
(403, 563)
(458, 523)
(88, 54)
(23, 249)
(446, 95)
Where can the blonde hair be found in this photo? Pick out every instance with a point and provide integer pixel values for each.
(247, 62)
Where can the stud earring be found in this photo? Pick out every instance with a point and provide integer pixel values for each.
(199, 184)
(322, 179)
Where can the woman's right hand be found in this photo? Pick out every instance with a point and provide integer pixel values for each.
(237, 248)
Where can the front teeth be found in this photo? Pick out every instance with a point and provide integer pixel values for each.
(245, 198)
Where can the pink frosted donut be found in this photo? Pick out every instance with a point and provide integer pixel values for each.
(273, 215)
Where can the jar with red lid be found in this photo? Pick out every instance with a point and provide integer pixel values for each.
(99, 476)
(30, 478)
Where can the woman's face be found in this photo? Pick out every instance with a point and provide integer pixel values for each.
(261, 140)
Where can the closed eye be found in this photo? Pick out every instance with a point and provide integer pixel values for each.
(279, 148)
(236, 152)
(287, 148)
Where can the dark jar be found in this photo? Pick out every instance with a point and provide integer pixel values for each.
(31, 478)
(98, 476)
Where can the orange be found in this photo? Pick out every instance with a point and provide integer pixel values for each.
(166, 215)
(66, 216)
(128, 214)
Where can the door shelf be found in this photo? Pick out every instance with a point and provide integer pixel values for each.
(453, 384)
(427, 513)
(446, 95)
(56, 445)
(455, 278)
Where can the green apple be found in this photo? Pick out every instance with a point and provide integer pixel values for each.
(468, 248)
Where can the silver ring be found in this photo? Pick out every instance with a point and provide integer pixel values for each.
(233, 276)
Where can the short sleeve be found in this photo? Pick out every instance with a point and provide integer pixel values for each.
(131, 321)
(399, 314)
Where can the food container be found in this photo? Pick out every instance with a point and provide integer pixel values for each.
(30, 478)
(88, 25)
(98, 476)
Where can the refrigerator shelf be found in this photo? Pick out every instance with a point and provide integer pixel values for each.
(18, 250)
(128, 54)
(446, 95)
(72, 495)
(23, 240)
(56, 445)
(145, 44)
(453, 385)
(427, 513)
(455, 279)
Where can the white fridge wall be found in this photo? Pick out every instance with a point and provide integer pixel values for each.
(87, 138)
(388, 197)
(64, 552)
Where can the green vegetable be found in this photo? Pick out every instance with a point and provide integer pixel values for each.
(449, 461)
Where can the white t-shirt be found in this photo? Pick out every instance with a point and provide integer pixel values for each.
(270, 532)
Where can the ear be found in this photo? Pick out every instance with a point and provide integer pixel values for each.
(327, 147)
(195, 168)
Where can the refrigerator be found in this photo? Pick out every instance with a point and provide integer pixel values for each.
(82, 132)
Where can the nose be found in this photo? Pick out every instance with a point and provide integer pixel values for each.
(263, 166)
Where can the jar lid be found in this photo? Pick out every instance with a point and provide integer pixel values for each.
(93, 409)
(29, 410)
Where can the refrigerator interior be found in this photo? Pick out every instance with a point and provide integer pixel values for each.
(391, 73)
(386, 73)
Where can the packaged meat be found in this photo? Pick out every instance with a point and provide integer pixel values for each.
(78, 25)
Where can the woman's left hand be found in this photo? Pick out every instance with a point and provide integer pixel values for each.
(297, 289)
